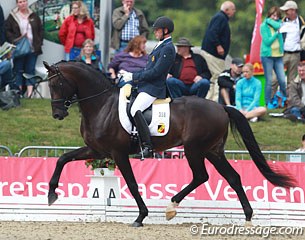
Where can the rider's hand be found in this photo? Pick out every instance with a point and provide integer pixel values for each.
(127, 76)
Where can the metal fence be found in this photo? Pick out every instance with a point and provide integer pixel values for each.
(44, 151)
(53, 151)
(5, 151)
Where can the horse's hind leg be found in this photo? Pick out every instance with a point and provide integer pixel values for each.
(200, 176)
(78, 154)
(227, 171)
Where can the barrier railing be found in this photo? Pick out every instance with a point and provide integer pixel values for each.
(44, 151)
(5, 151)
(53, 151)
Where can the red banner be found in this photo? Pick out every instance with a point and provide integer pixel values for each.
(256, 38)
(29, 177)
(157, 179)
(163, 179)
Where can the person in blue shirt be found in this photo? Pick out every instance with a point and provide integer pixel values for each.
(248, 92)
(88, 55)
(151, 81)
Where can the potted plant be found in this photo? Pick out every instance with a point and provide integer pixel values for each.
(103, 184)
(101, 166)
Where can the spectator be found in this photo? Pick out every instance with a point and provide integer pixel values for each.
(291, 32)
(2, 33)
(22, 21)
(227, 82)
(296, 97)
(88, 56)
(189, 74)
(5, 73)
(75, 29)
(272, 53)
(127, 22)
(216, 44)
(248, 91)
(302, 148)
(152, 80)
(132, 59)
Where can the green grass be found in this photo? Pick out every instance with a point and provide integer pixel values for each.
(32, 124)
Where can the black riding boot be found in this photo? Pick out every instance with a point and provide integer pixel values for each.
(144, 134)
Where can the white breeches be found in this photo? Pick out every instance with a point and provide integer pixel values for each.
(142, 102)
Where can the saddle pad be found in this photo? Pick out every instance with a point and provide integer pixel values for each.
(159, 125)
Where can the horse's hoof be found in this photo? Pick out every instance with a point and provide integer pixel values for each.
(136, 224)
(170, 215)
(248, 224)
(170, 211)
(52, 197)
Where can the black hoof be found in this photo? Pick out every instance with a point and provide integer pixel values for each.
(136, 224)
(52, 197)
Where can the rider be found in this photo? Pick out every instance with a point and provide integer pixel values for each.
(151, 81)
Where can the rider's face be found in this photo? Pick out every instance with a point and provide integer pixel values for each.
(158, 33)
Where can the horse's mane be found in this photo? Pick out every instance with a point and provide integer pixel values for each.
(97, 75)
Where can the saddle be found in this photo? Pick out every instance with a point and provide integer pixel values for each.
(156, 116)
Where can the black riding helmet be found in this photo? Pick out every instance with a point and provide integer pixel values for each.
(164, 22)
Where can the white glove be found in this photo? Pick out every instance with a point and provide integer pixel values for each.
(127, 76)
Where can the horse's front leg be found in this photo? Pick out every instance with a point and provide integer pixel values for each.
(123, 164)
(82, 153)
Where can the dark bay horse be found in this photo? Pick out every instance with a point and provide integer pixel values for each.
(198, 124)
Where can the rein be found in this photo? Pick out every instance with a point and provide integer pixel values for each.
(68, 102)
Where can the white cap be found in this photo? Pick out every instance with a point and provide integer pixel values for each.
(289, 5)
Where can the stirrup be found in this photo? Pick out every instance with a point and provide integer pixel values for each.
(146, 152)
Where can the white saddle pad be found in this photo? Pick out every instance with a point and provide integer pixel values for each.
(159, 125)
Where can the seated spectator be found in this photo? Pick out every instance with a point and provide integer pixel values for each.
(132, 59)
(227, 82)
(302, 148)
(6, 76)
(88, 55)
(248, 92)
(189, 74)
(296, 96)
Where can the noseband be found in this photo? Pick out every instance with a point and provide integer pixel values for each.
(67, 102)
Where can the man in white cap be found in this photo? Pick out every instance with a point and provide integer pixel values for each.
(292, 24)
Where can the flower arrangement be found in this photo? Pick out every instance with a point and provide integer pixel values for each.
(101, 163)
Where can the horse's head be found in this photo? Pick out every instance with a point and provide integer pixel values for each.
(61, 89)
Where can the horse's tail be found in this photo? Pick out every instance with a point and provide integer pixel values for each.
(239, 122)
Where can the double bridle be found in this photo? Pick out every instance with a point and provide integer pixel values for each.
(67, 102)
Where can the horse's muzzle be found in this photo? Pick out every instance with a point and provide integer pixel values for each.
(60, 114)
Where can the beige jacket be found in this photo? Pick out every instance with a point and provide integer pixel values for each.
(118, 21)
(295, 93)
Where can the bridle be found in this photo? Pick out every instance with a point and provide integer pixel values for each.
(67, 102)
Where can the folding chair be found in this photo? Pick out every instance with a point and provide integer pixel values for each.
(38, 80)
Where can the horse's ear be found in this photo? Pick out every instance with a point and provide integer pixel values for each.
(47, 66)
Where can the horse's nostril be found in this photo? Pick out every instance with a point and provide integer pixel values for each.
(56, 116)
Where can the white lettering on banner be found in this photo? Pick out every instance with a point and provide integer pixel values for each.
(2, 184)
(27, 189)
(153, 189)
(227, 191)
(166, 192)
(215, 195)
(15, 188)
(259, 193)
(264, 191)
(278, 192)
(301, 195)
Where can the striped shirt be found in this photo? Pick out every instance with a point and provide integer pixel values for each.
(131, 27)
